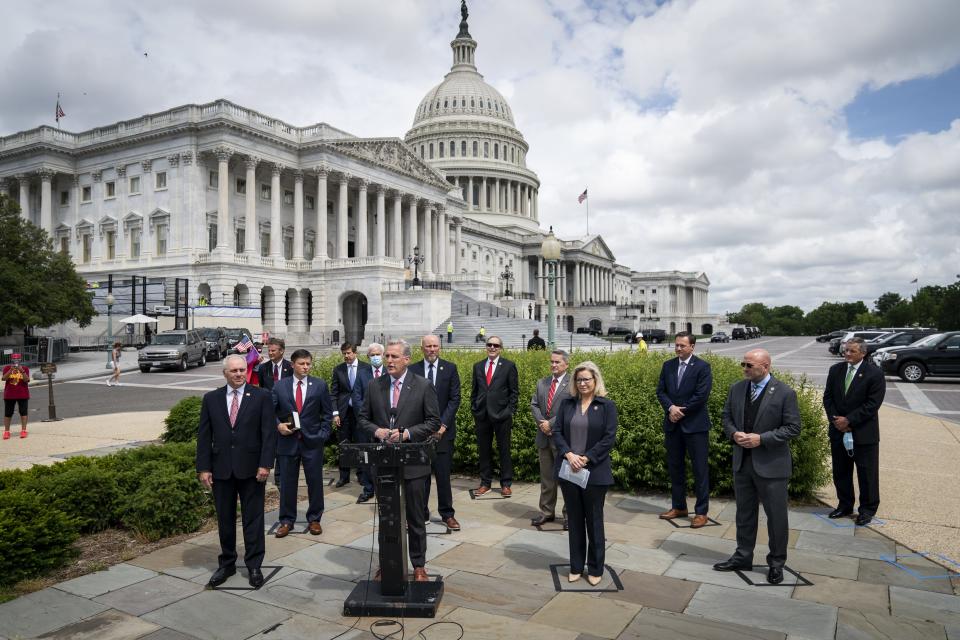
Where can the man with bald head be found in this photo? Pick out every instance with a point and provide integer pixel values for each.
(760, 416)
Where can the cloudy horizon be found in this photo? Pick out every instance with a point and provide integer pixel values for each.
(796, 152)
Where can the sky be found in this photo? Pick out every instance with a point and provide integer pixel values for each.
(795, 151)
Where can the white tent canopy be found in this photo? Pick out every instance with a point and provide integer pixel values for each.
(138, 319)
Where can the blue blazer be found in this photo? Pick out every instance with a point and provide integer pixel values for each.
(693, 394)
(601, 436)
(448, 397)
(315, 419)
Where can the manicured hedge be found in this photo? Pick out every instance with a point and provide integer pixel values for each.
(182, 421)
(639, 458)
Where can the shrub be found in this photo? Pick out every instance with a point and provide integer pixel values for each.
(183, 420)
(86, 493)
(34, 535)
(639, 457)
(166, 504)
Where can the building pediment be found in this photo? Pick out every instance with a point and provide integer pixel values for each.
(392, 154)
(597, 247)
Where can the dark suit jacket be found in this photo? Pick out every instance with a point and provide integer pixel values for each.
(416, 411)
(601, 436)
(777, 422)
(538, 405)
(340, 389)
(860, 404)
(448, 397)
(265, 372)
(693, 393)
(315, 419)
(241, 450)
(498, 402)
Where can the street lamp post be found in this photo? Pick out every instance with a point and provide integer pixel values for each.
(506, 276)
(416, 260)
(550, 251)
(110, 300)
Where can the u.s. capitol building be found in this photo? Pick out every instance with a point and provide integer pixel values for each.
(315, 226)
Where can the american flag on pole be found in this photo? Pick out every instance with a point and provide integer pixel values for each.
(59, 113)
(582, 197)
(244, 344)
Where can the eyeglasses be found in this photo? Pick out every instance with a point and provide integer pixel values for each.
(494, 345)
(584, 380)
(746, 365)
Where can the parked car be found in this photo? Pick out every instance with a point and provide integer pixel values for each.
(881, 354)
(589, 330)
(234, 334)
(619, 331)
(177, 348)
(650, 336)
(827, 337)
(898, 339)
(914, 363)
(720, 336)
(836, 345)
(216, 338)
(739, 333)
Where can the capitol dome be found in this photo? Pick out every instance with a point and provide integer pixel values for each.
(465, 129)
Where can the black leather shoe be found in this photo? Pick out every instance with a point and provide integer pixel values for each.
(566, 526)
(220, 576)
(341, 483)
(775, 575)
(732, 565)
(863, 520)
(364, 497)
(838, 513)
(541, 520)
(256, 578)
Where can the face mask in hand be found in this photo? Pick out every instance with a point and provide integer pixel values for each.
(848, 442)
(376, 360)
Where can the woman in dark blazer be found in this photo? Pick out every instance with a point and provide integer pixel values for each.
(585, 433)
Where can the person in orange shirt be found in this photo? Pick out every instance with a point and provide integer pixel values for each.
(16, 393)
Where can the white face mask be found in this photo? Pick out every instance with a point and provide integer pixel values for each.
(376, 361)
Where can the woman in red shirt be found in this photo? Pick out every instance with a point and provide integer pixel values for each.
(16, 392)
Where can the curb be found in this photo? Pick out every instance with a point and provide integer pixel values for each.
(36, 382)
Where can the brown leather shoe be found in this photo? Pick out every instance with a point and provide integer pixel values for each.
(698, 521)
(283, 530)
(420, 575)
(673, 513)
(315, 528)
(452, 524)
(377, 575)
(481, 490)
(506, 492)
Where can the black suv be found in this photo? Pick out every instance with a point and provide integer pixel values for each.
(898, 339)
(650, 336)
(216, 338)
(619, 331)
(913, 364)
(234, 335)
(739, 333)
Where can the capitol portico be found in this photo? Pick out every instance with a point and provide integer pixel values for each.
(315, 227)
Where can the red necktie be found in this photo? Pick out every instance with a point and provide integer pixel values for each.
(276, 372)
(489, 371)
(553, 390)
(234, 408)
(299, 396)
(376, 373)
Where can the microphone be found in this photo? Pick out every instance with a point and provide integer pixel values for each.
(393, 417)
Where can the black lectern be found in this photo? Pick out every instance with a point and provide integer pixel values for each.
(393, 594)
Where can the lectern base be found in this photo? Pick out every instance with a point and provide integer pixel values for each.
(421, 600)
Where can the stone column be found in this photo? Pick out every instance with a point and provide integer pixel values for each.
(457, 244)
(298, 214)
(362, 241)
(511, 199)
(540, 287)
(76, 248)
(250, 227)
(223, 199)
(470, 193)
(396, 230)
(444, 239)
(427, 252)
(46, 207)
(24, 181)
(576, 284)
(320, 252)
(121, 206)
(522, 194)
(536, 204)
(343, 218)
(483, 194)
(381, 245)
(276, 196)
(175, 187)
(412, 226)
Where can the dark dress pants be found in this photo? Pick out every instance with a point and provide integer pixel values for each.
(697, 445)
(585, 522)
(349, 432)
(289, 469)
(486, 431)
(751, 491)
(442, 464)
(251, 493)
(866, 458)
(415, 496)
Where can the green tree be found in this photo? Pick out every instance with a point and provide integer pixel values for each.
(926, 304)
(886, 302)
(949, 317)
(831, 316)
(40, 286)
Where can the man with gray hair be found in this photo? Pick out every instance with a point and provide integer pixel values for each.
(364, 377)
(551, 391)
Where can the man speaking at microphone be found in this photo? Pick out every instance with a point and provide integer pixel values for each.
(402, 407)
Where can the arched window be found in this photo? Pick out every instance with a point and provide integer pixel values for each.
(511, 154)
(421, 152)
(431, 151)
(496, 106)
(488, 105)
(474, 148)
(472, 104)
(496, 151)
(440, 148)
(463, 148)
(453, 148)
(444, 103)
(486, 149)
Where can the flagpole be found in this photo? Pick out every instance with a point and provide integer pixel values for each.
(587, 191)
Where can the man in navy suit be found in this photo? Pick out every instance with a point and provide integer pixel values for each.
(236, 442)
(683, 391)
(493, 401)
(276, 367)
(364, 377)
(309, 398)
(852, 399)
(344, 413)
(445, 378)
